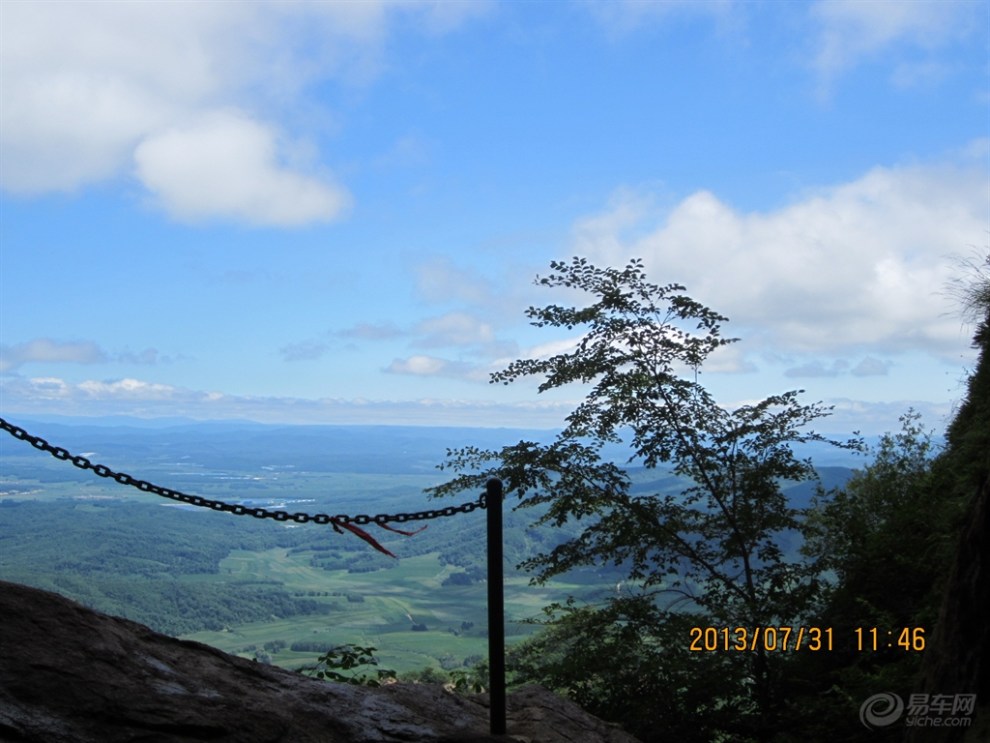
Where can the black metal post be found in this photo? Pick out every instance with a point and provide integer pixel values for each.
(496, 612)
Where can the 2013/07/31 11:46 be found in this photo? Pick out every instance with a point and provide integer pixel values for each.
(813, 639)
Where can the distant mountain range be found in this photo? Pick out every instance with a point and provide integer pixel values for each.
(332, 448)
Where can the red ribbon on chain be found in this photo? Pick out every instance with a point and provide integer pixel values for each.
(358, 531)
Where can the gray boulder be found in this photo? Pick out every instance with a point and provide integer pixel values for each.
(71, 674)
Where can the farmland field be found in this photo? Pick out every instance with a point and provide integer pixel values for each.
(390, 603)
(256, 587)
(259, 587)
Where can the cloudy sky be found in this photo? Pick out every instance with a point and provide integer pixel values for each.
(334, 212)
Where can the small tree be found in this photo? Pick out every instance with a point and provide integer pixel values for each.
(712, 550)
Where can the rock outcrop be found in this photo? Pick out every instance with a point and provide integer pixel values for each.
(71, 674)
(957, 661)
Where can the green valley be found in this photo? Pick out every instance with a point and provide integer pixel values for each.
(281, 593)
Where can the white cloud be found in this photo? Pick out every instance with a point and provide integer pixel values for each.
(454, 329)
(312, 349)
(730, 359)
(553, 348)
(852, 30)
(439, 280)
(432, 366)
(460, 330)
(308, 350)
(83, 85)
(102, 397)
(127, 388)
(46, 350)
(131, 397)
(872, 418)
(227, 165)
(35, 392)
(871, 367)
(148, 356)
(419, 365)
(493, 291)
(372, 331)
(861, 264)
(817, 368)
(142, 398)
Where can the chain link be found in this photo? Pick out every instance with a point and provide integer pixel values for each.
(235, 508)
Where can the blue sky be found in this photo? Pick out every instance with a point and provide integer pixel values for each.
(334, 212)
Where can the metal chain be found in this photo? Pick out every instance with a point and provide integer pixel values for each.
(238, 510)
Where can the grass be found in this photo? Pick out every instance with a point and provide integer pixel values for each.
(393, 600)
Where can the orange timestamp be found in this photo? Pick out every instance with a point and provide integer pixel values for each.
(903, 638)
(813, 639)
(770, 639)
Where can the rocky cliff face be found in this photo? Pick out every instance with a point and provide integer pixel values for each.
(958, 659)
(70, 674)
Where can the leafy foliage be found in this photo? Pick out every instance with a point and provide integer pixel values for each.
(471, 680)
(342, 663)
(711, 551)
(629, 662)
(884, 540)
(881, 510)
